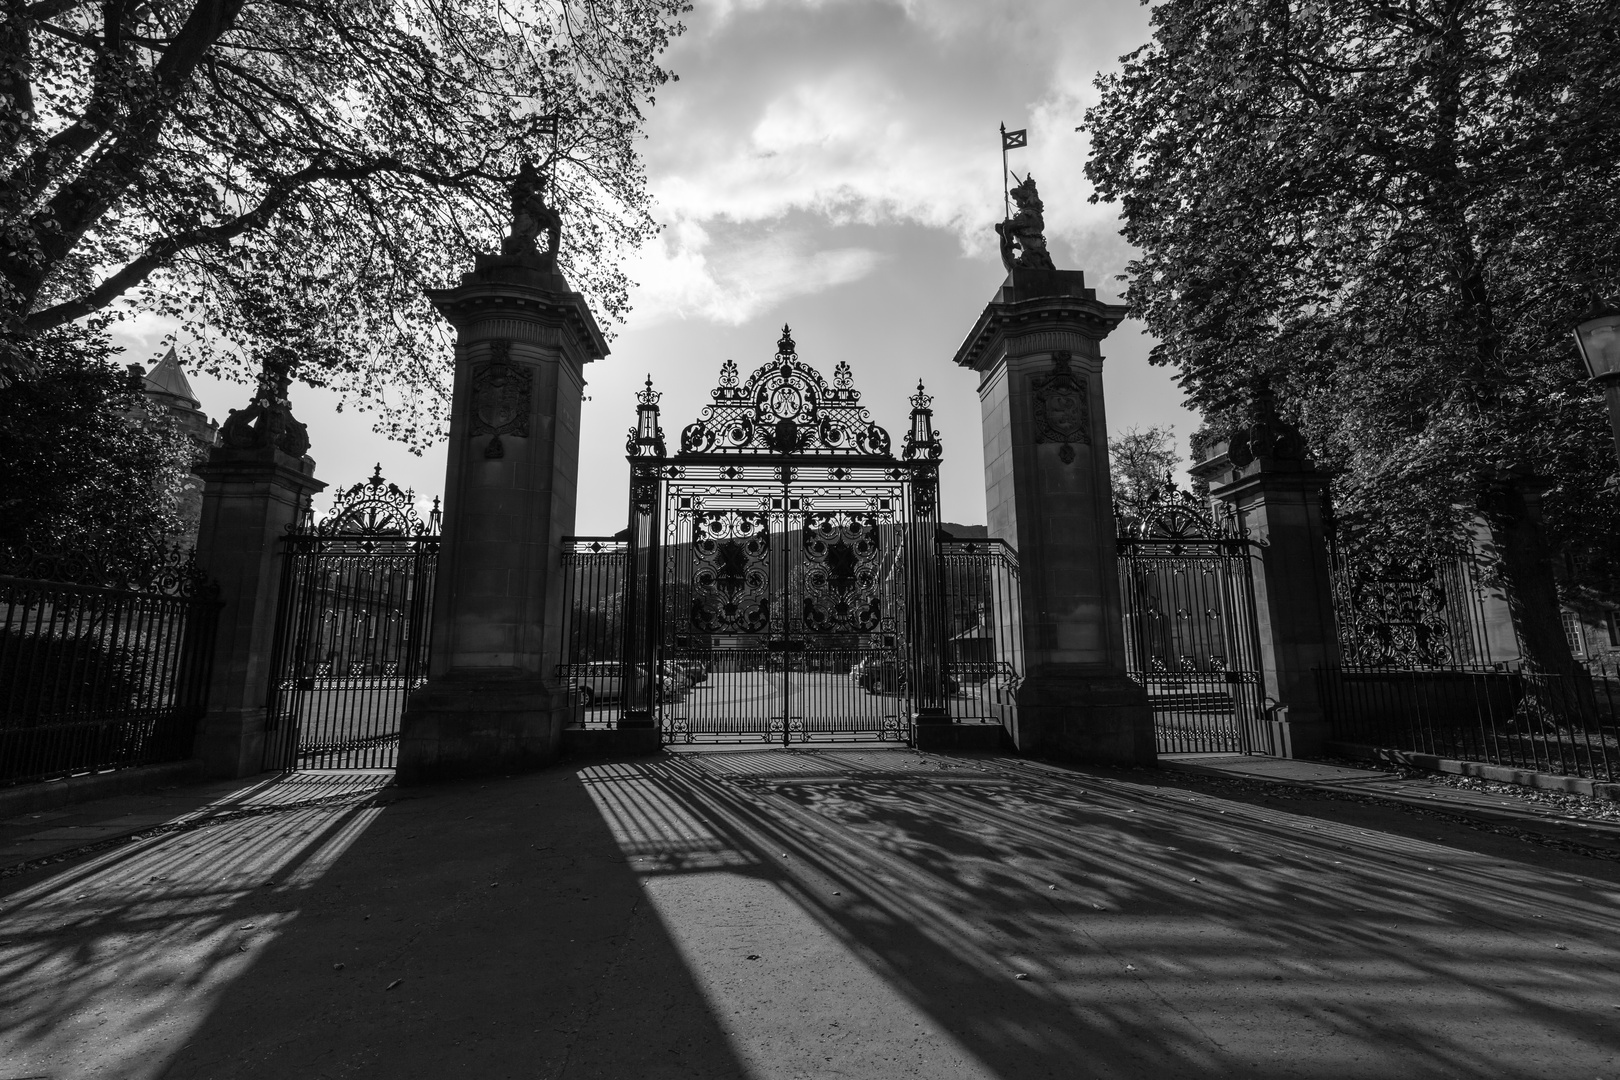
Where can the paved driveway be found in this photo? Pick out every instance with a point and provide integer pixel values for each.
(853, 913)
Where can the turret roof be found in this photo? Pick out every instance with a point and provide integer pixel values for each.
(170, 378)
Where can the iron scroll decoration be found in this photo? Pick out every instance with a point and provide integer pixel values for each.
(1062, 408)
(786, 407)
(373, 508)
(500, 398)
(170, 571)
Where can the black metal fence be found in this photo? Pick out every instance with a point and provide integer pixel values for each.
(1186, 582)
(1565, 724)
(592, 661)
(352, 630)
(983, 639)
(100, 671)
(1403, 610)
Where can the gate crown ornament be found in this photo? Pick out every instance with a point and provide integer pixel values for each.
(785, 397)
(373, 508)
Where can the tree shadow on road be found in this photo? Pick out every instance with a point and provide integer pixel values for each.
(1161, 933)
(468, 930)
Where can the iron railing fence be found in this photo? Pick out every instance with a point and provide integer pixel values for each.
(353, 629)
(595, 570)
(982, 632)
(352, 641)
(1186, 581)
(101, 671)
(1564, 724)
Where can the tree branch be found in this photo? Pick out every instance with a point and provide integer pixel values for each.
(159, 254)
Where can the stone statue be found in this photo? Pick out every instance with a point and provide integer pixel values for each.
(1025, 230)
(268, 419)
(530, 215)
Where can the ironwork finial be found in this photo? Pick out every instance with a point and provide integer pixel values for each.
(921, 399)
(649, 396)
(376, 476)
(785, 345)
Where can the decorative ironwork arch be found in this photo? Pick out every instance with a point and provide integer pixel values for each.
(375, 507)
(1170, 515)
(786, 407)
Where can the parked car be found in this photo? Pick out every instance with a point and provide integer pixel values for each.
(696, 671)
(603, 680)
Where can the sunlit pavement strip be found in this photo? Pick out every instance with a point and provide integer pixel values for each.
(794, 914)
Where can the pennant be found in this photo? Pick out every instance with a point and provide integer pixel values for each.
(1013, 140)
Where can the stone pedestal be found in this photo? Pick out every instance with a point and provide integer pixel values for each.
(1278, 497)
(250, 496)
(492, 702)
(1048, 493)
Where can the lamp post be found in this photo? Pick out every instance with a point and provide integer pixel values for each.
(1597, 336)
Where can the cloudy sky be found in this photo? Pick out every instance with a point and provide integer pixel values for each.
(835, 165)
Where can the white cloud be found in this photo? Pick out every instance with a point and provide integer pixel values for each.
(684, 275)
(869, 114)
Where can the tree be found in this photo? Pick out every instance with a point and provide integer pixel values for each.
(1140, 464)
(90, 476)
(1378, 219)
(281, 174)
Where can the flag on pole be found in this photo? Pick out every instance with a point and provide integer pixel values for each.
(1013, 140)
(548, 124)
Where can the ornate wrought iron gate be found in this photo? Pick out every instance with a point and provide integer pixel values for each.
(781, 565)
(1190, 630)
(351, 630)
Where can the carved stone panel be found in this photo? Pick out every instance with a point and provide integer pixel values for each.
(500, 398)
(1062, 408)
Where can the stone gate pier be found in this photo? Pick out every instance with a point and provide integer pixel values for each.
(492, 702)
(1036, 350)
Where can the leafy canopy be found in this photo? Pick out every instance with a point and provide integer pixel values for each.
(1383, 216)
(283, 175)
(1379, 217)
(90, 473)
(1141, 464)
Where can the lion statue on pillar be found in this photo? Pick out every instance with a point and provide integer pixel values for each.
(1023, 236)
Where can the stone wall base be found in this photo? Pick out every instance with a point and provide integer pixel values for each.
(480, 725)
(1098, 720)
(1506, 774)
(980, 738)
(1298, 735)
(230, 743)
(612, 742)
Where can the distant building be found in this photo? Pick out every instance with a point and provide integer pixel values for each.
(168, 394)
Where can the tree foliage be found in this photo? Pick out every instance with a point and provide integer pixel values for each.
(1141, 463)
(89, 473)
(274, 173)
(1379, 218)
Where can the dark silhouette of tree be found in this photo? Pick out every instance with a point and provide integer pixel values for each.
(1379, 218)
(1140, 463)
(89, 474)
(276, 173)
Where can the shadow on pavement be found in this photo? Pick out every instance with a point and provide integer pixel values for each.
(1161, 932)
(469, 930)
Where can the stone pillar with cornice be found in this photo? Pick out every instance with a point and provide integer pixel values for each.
(1048, 493)
(256, 481)
(1263, 473)
(492, 702)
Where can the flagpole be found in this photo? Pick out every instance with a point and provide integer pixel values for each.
(1006, 205)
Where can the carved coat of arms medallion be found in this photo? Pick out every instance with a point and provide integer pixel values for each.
(500, 399)
(1062, 409)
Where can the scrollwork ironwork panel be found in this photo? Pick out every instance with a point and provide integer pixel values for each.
(840, 579)
(731, 581)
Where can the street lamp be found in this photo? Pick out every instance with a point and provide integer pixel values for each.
(1597, 336)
